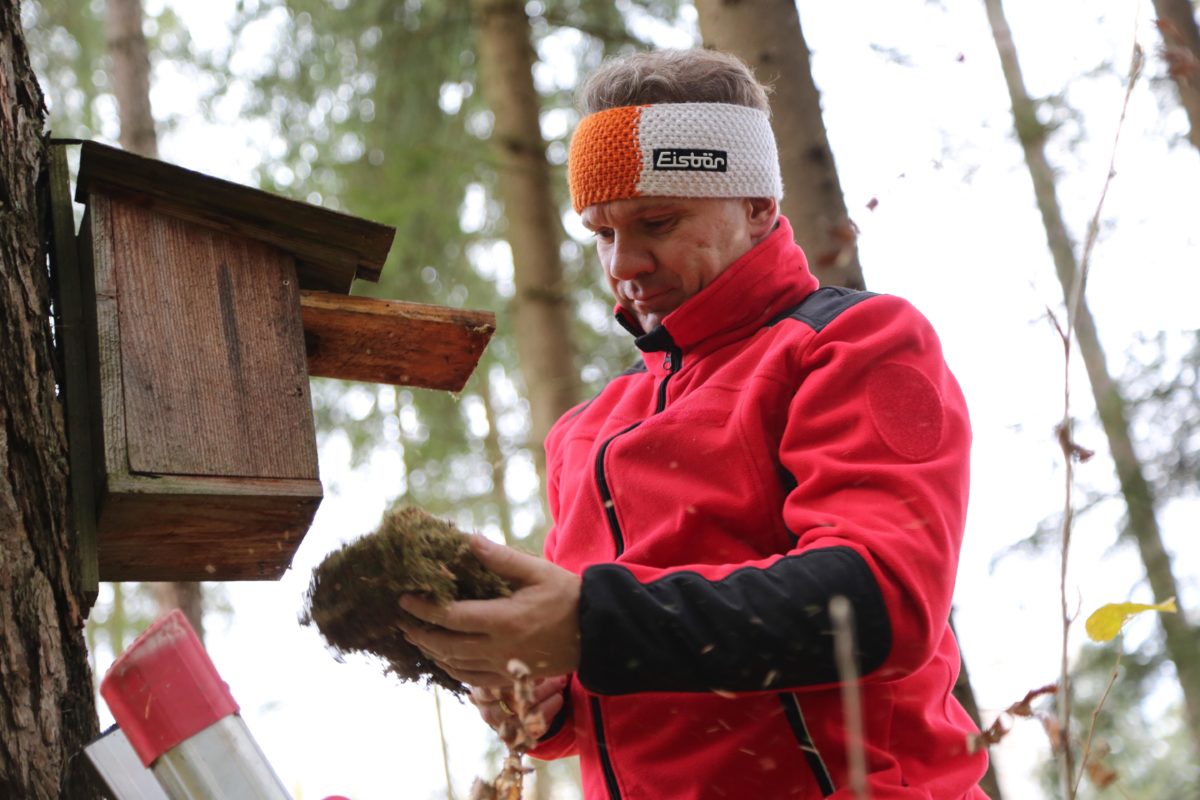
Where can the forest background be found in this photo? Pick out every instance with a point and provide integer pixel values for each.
(376, 108)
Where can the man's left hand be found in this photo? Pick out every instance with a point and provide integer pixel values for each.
(538, 623)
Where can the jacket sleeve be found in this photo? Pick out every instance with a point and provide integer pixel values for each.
(876, 440)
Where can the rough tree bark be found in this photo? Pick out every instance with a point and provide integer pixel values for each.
(129, 74)
(541, 309)
(767, 36)
(1182, 638)
(47, 711)
(1181, 49)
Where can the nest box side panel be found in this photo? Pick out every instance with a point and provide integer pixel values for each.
(212, 351)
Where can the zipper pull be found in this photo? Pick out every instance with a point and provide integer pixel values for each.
(674, 359)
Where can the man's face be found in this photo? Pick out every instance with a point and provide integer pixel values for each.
(659, 251)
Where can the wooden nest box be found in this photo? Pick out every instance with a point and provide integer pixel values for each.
(204, 306)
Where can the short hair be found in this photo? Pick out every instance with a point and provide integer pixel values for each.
(672, 76)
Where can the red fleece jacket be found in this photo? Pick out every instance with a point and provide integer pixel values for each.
(777, 446)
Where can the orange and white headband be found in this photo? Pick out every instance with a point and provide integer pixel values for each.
(673, 150)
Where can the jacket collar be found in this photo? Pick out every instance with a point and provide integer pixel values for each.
(771, 278)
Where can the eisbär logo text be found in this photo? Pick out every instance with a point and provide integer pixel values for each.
(678, 158)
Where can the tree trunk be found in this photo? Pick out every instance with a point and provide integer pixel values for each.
(1181, 49)
(541, 309)
(47, 711)
(767, 36)
(1182, 639)
(129, 73)
(498, 462)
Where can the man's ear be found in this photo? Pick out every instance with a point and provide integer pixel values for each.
(762, 213)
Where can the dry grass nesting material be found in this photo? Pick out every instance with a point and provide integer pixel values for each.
(354, 595)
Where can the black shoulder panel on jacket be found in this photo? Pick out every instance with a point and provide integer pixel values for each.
(638, 366)
(755, 629)
(823, 306)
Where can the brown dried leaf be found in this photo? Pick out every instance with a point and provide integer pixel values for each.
(1070, 447)
(1100, 773)
(996, 731)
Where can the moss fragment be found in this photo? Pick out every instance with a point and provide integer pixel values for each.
(354, 595)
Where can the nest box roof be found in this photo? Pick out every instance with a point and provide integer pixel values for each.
(331, 248)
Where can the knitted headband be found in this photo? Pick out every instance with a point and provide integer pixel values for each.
(673, 150)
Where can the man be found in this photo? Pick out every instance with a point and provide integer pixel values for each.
(777, 446)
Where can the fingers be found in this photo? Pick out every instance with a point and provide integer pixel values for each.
(445, 645)
(543, 690)
(517, 567)
(496, 708)
(463, 616)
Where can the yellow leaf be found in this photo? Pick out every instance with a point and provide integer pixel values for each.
(1106, 621)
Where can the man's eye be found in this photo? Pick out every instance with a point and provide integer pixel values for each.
(603, 234)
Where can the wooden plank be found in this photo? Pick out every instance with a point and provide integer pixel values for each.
(109, 392)
(333, 248)
(200, 528)
(388, 341)
(72, 296)
(212, 351)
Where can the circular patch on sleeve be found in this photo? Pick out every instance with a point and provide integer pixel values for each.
(906, 409)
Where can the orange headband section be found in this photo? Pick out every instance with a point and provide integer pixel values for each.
(606, 158)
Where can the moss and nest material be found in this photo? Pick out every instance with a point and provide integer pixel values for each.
(354, 595)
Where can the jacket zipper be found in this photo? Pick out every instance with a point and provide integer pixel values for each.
(610, 775)
(672, 362)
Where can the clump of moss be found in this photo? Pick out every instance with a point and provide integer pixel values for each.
(354, 595)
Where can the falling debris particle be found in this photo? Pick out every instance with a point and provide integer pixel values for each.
(872, 204)
(354, 595)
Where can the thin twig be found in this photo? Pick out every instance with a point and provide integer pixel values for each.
(842, 615)
(437, 707)
(1087, 748)
(1066, 438)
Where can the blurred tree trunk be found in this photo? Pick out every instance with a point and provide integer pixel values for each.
(47, 711)
(129, 74)
(541, 309)
(767, 36)
(1182, 639)
(498, 462)
(1181, 49)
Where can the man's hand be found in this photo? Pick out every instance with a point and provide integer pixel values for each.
(538, 624)
(497, 706)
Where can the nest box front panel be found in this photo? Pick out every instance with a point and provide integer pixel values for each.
(212, 351)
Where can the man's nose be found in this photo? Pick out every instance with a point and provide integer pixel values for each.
(628, 259)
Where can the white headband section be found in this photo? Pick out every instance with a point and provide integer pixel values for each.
(707, 150)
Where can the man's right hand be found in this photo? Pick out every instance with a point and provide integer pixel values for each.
(498, 707)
